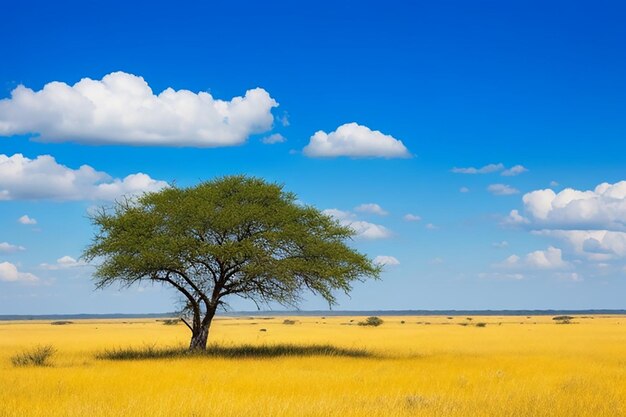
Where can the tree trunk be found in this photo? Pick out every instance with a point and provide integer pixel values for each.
(200, 333)
(200, 337)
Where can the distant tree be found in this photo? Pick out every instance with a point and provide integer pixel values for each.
(233, 236)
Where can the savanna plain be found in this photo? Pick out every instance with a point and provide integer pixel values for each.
(315, 366)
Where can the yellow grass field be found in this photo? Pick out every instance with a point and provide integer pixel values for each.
(428, 366)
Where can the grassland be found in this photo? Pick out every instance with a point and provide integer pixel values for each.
(426, 366)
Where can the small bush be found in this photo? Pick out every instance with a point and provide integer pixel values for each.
(401, 321)
(371, 321)
(481, 324)
(288, 321)
(170, 322)
(38, 356)
(563, 319)
(61, 322)
(262, 330)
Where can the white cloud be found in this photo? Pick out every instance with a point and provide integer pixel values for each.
(6, 247)
(367, 230)
(10, 273)
(411, 218)
(386, 260)
(22, 178)
(513, 171)
(515, 218)
(371, 208)
(603, 208)
(487, 169)
(502, 189)
(500, 245)
(554, 184)
(354, 140)
(569, 276)
(501, 276)
(273, 139)
(464, 190)
(491, 168)
(550, 259)
(122, 109)
(436, 261)
(25, 219)
(363, 229)
(65, 262)
(339, 214)
(598, 245)
(431, 226)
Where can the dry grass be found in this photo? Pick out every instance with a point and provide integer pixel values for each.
(513, 367)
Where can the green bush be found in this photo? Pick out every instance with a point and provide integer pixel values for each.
(38, 356)
(371, 321)
(288, 321)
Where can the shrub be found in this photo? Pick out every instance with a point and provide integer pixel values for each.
(171, 322)
(61, 322)
(563, 319)
(371, 321)
(481, 324)
(401, 321)
(288, 321)
(38, 356)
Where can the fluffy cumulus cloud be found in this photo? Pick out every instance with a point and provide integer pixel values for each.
(7, 247)
(354, 140)
(603, 208)
(589, 225)
(596, 245)
(386, 260)
(550, 259)
(363, 229)
(491, 168)
(65, 262)
(22, 178)
(25, 219)
(10, 273)
(502, 189)
(121, 108)
(371, 208)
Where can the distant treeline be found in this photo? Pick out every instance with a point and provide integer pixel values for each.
(323, 313)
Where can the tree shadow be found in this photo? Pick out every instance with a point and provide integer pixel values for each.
(232, 352)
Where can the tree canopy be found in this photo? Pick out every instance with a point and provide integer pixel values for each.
(233, 236)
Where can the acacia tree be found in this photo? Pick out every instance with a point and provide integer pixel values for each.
(233, 236)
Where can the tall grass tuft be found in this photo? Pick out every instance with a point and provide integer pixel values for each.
(38, 356)
(232, 352)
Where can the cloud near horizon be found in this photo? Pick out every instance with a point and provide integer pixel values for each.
(43, 178)
(356, 141)
(121, 109)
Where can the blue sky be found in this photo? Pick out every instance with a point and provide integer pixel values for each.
(447, 84)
